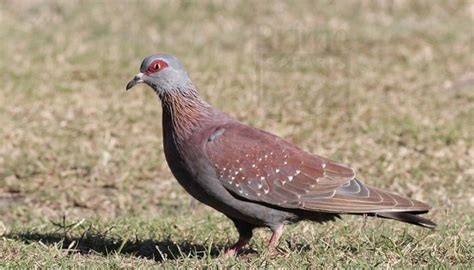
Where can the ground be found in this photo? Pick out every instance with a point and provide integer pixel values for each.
(385, 86)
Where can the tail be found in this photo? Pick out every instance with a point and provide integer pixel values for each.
(408, 217)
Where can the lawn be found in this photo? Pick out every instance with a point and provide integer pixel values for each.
(386, 86)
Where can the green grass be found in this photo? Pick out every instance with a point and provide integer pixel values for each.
(387, 88)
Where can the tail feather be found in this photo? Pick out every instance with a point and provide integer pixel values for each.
(408, 217)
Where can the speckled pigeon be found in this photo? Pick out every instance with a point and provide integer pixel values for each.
(253, 177)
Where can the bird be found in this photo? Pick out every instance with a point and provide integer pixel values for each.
(253, 177)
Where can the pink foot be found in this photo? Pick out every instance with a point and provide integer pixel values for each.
(232, 250)
(277, 232)
(277, 252)
(276, 235)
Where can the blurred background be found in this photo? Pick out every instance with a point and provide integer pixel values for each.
(386, 86)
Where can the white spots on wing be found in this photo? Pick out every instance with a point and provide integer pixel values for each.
(252, 173)
(323, 165)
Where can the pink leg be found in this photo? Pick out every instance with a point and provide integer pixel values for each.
(232, 250)
(277, 232)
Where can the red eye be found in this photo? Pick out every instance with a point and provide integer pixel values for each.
(156, 66)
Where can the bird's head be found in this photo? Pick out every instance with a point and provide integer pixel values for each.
(163, 73)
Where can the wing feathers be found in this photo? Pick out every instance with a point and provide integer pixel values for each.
(261, 167)
(375, 201)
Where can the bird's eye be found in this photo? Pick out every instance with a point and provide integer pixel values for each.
(155, 66)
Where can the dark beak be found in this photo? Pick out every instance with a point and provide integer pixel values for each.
(136, 80)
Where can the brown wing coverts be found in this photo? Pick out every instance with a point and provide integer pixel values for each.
(261, 167)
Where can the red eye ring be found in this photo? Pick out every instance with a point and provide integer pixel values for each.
(156, 66)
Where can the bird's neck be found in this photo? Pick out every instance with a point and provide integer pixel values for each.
(183, 113)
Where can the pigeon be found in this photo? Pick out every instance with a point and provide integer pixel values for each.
(253, 177)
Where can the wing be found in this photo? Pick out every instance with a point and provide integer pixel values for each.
(261, 167)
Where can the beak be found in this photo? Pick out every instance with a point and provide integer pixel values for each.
(136, 80)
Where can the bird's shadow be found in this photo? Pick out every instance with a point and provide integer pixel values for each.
(161, 250)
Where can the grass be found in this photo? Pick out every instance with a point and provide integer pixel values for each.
(384, 86)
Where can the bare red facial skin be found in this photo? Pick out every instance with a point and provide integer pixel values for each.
(156, 66)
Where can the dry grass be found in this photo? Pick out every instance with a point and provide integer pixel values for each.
(385, 86)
